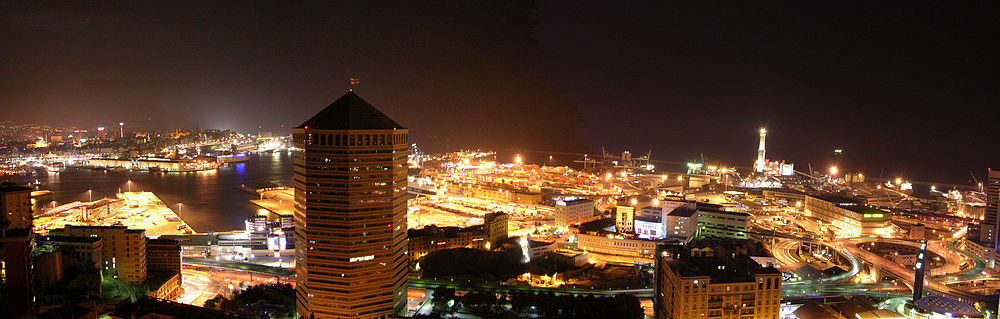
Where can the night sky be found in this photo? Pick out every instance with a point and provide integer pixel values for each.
(901, 88)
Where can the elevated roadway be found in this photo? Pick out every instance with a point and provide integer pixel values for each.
(274, 271)
(904, 273)
(957, 265)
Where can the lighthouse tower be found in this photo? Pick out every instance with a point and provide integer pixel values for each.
(759, 165)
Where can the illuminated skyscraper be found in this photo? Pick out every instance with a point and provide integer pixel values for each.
(759, 166)
(350, 212)
(989, 229)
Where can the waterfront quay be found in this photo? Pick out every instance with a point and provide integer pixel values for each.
(135, 210)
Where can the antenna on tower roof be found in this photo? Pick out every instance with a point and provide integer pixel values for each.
(352, 82)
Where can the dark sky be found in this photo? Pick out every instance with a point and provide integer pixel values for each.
(902, 88)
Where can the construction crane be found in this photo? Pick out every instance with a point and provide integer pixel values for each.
(589, 164)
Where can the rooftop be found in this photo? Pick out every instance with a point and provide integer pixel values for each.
(71, 239)
(572, 201)
(448, 232)
(650, 219)
(682, 212)
(786, 190)
(942, 305)
(720, 270)
(350, 112)
(724, 212)
(816, 310)
(835, 199)
(861, 208)
(596, 225)
(12, 187)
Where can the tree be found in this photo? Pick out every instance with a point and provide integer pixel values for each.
(471, 263)
(441, 298)
(481, 302)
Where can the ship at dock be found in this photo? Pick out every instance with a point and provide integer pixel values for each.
(234, 158)
(162, 165)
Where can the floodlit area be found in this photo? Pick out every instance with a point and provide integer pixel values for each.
(279, 200)
(135, 210)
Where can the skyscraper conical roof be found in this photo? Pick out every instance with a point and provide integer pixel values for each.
(350, 112)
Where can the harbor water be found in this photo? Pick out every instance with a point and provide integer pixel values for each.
(208, 201)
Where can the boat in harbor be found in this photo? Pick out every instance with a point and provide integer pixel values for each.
(234, 158)
(117, 169)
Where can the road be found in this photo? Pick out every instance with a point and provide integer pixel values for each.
(202, 283)
(904, 273)
(786, 252)
(954, 261)
(261, 269)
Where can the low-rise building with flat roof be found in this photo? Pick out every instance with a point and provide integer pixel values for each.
(681, 223)
(649, 227)
(87, 250)
(432, 238)
(851, 216)
(720, 223)
(569, 257)
(124, 253)
(593, 237)
(715, 287)
(571, 211)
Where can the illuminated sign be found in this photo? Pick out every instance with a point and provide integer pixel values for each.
(787, 169)
(877, 215)
(693, 167)
(363, 258)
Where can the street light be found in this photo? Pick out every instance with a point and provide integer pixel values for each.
(129, 183)
(833, 170)
(90, 195)
(180, 210)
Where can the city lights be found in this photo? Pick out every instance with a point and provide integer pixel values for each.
(261, 178)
